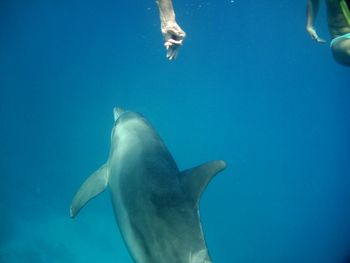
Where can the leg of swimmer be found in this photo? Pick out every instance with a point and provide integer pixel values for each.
(341, 51)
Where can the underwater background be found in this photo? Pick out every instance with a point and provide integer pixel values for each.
(249, 87)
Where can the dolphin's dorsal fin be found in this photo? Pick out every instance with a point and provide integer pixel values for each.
(117, 112)
(95, 184)
(195, 180)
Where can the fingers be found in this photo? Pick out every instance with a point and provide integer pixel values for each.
(314, 36)
(172, 46)
(171, 54)
(175, 30)
(173, 42)
(172, 51)
(320, 40)
(176, 33)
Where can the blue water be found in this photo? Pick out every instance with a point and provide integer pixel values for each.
(248, 87)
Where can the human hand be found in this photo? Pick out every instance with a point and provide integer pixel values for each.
(314, 36)
(173, 37)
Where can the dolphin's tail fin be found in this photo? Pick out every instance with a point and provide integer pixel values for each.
(196, 179)
(95, 184)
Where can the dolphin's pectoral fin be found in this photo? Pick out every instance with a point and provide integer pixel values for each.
(195, 180)
(95, 184)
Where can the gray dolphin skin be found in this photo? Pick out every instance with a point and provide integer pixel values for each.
(155, 204)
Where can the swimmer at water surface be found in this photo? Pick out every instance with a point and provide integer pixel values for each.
(338, 17)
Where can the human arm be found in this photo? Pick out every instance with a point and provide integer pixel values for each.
(311, 13)
(172, 33)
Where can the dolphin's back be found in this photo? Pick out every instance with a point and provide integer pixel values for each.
(155, 205)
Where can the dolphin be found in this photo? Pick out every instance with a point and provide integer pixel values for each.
(155, 204)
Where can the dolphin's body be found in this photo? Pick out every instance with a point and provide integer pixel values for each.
(155, 205)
